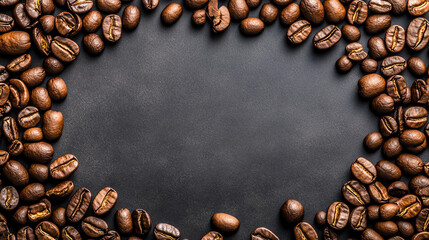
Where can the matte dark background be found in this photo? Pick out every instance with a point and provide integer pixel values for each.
(185, 123)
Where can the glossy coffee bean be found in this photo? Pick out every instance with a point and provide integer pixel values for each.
(225, 222)
(373, 212)
(363, 170)
(292, 211)
(419, 185)
(383, 104)
(7, 23)
(47, 231)
(422, 219)
(29, 117)
(19, 95)
(378, 192)
(78, 205)
(327, 37)
(395, 38)
(213, 235)
(252, 26)
(417, 7)
(415, 117)
(171, 13)
(52, 125)
(93, 44)
(92, 21)
(112, 28)
(320, 219)
(409, 206)
(304, 231)
(113, 235)
(69, 232)
(369, 66)
(64, 49)
(388, 211)
(416, 66)
(32, 192)
(199, 17)
(377, 48)
(39, 172)
(68, 24)
(141, 222)
(20, 215)
(386, 228)
(344, 64)
(238, 9)
(338, 215)
(4, 157)
(19, 64)
(396, 87)
(359, 219)
(379, 6)
(104, 200)
(290, 14)
(4, 93)
(192, 4)
(166, 231)
(355, 193)
(52, 66)
(357, 12)
(373, 141)
(40, 152)
(268, 13)
(9, 198)
(393, 65)
(15, 148)
(350, 33)
(62, 190)
(109, 6)
(59, 217)
(25, 233)
(355, 52)
(41, 41)
(370, 234)
(94, 227)
(313, 11)
(80, 7)
(40, 211)
(10, 129)
(335, 11)
(299, 31)
(63, 167)
(261, 233)
(57, 89)
(124, 221)
(15, 173)
(413, 140)
(417, 34)
(22, 18)
(47, 23)
(420, 91)
(397, 189)
(405, 228)
(388, 171)
(377, 23)
(131, 17)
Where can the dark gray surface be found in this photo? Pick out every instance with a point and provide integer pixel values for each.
(185, 123)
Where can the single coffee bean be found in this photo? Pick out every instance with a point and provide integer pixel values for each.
(413, 140)
(109, 6)
(63, 167)
(19, 64)
(64, 49)
(420, 91)
(417, 66)
(329, 234)
(151, 5)
(104, 200)
(335, 11)
(124, 221)
(415, 117)
(378, 192)
(350, 33)
(40, 98)
(259, 233)
(113, 235)
(199, 17)
(369, 66)
(290, 14)
(71, 233)
(52, 66)
(40, 152)
(253, 3)
(219, 16)
(112, 28)
(15, 148)
(93, 44)
(373, 212)
(268, 13)
(358, 219)
(33, 8)
(405, 228)
(47, 231)
(4, 93)
(47, 23)
(344, 64)
(422, 220)
(395, 38)
(379, 6)
(383, 104)
(4, 157)
(338, 215)
(10, 129)
(22, 18)
(320, 219)
(7, 23)
(377, 48)
(397, 189)
(78, 205)
(417, 34)
(386, 228)
(92, 21)
(388, 171)
(238, 9)
(212, 235)
(19, 95)
(409, 206)
(15, 173)
(363, 170)
(377, 23)
(393, 65)
(355, 51)
(4, 75)
(32, 192)
(142, 222)
(172, 13)
(421, 236)
(28, 117)
(9, 198)
(370, 234)
(131, 17)
(48, 7)
(396, 87)
(8, 3)
(57, 89)
(68, 24)
(42, 41)
(388, 211)
(419, 185)
(94, 227)
(327, 37)
(33, 76)
(25, 233)
(224, 222)
(426, 169)
(312, 10)
(304, 231)
(291, 211)
(62, 190)
(192, 4)
(357, 12)
(20, 215)
(252, 26)
(418, 7)
(59, 217)
(80, 7)
(40, 211)
(39, 172)
(355, 193)
(299, 31)
(373, 141)
(52, 125)
(164, 231)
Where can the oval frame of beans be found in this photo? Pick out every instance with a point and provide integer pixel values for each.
(376, 204)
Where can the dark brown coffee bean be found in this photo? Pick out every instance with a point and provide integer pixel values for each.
(238, 9)
(19, 64)
(419, 185)
(386, 229)
(320, 219)
(259, 233)
(268, 13)
(290, 14)
(47, 23)
(40, 211)
(78, 205)
(4, 157)
(377, 23)
(395, 38)
(10, 129)
(131, 17)
(70, 233)
(59, 217)
(52, 125)
(355, 193)
(415, 117)
(42, 42)
(164, 231)
(39, 172)
(388, 171)
(15, 173)
(63, 189)
(363, 170)
(112, 28)
(396, 87)
(192, 4)
(327, 37)
(33, 8)
(32, 192)
(338, 215)
(172, 13)
(369, 66)
(388, 211)
(104, 200)
(142, 222)
(373, 141)
(199, 17)
(47, 231)
(405, 228)
(344, 64)
(358, 219)
(80, 6)
(304, 231)
(421, 236)
(379, 6)
(20, 215)
(299, 31)
(124, 221)
(291, 211)
(21, 17)
(19, 95)
(378, 192)
(151, 5)
(48, 7)
(350, 33)
(252, 26)
(92, 21)
(25, 233)
(413, 140)
(9, 198)
(377, 48)
(420, 91)
(373, 212)
(397, 189)
(64, 49)
(33, 76)
(330, 234)
(93, 44)
(7, 23)
(409, 206)
(4, 93)
(334, 11)
(422, 220)
(4, 75)
(253, 3)
(52, 66)
(383, 104)
(8, 3)
(355, 51)
(94, 227)
(219, 16)
(57, 89)
(68, 24)
(113, 235)
(63, 166)
(417, 66)
(221, 221)
(109, 6)
(393, 65)
(15, 148)
(40, 98)
(40, 152)
(312, 10)
(357, 12)
(417, 34)
(418, 7)
(28, 117)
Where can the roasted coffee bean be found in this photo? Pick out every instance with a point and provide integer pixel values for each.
(94, 227)
(415, 117)
(238, 9)
(80, 6)
(420, 91)
(355, 51)
(20, 215)
(48, 7)
(40, 98)
(417, 66)
(383, 104)
(338, 215)
(419, 185)
(62, 190)
(52, 125)
(422, 220)
(124, 221)
(357, 12)
(395, 38)
(131, 17)
(334, 11)
(252, 26)
(329, 234)
(48, 23)
(355, 193)
(113, 235)
(370, 234)
(39, 172)
(373, 212)
(33, 76)
(378, 192)
(70, 233)
(93, 44)
(377, 48)
(409, 206)
(397, 189)
(413, 140)
(142, 222)
(192, 4)
(386, 229)
(52, 66)
(398, 6)
(369, 66)
(32, 192)
(426, 169)
(215, 235)
(59, 217)
(153, 4)
(4, 157)
(164, 231)
(219, 17)
(42, 42)
(104, 200)
(7, 23)
(10, 129)
(392, 147)
(224, 222)
(268, 13)
(28, 117)
(21, 17)
(304, 231)
(109, 6)
(312, 10)
(421, 236)
(40, 211)
(259, 233)
(379, 6)
(282, 3)
(320, 219)
(388, 171)
(78, 205)
(15, 148)
(57, 89)
(291, 211)
(63, 166)
(417, 34)
(358, 219)
(373, 141)
(4, 93)
(8, 3)
(40, 152)
(172, 13)
(327, 37)
(16, 173)
(350, 33)
(377, 23)
(112, 28)
(19, 64)
(388, 211)
(19, 95)
(92, 21)
(4, 75)
(344, 64)
(25, 233)
(47, 231)
(68, 24)
(299, 31)
(364, 170)
(393, 65)
(405, 228)
(253, 3)
(9, 198)
(418, 7)
(396, 87)
(33, 8)
(64, 49)
(199, 17)
(290, 14)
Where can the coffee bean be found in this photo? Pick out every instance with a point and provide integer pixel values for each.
(355, 51)
(238, 9)
(28, 117)
(20, 215)
(94, 227)
(292, 211)
(112, 28)
(52, 125)
(370, 234)
(338, 215)
(409, 206)
(290, 14)
(33, 8)
(299, 31)
(40, 211)
(421, 236)
(405, 228)
(57, 89)
(199, 17)
(388, 171)
(373, 141)
(9, 198)
(219, 17)
(22, 18)
(304, 231)
(19, 95)
(142, 222)
(378, 192)
(344, 64)
(252, 26)
(7, 23)
(80, 7)
(104, 200)
(109, 6)
(422, 219)
(377, 48)
(268, 13)
(327, 37)
(417, 66)
(358, 219)
(131, 17)
(388, 211)
(369, 66)
(64, 49)
(124, 221)
(42, 41)
(373, 212)
(39, 172)
(68, 24)
(92, 21)
(415, 117)
(355, 193)
(363, 170)
(386, 229)
(329, 234)
(393, 65)
(166, 231)
(63, 167)
(70, 233)
(192, 4)
(213, 235)
(32, 192)
(395, 38)
(62, 190)
(48, 7)
(417, 7)
(357, 12)
(253, 3)
(4, 157)
(15, 173)
(419, 185)
(113, 235)
(93, 44)
(261, 233)
(33, 76)
(48, 23)
(40, 98)
(15, 148)
(396, 87)
(40, 152)
(379, 6)
(25, 233)
(10, 129)
(151, 5)
(172, 13)
(4, 93)
(52, 66)
(8, 3)
(383, 104)
(413, 140)
(225, 222)
(320, 218)
(78, 205)
(420, 91)
(397, 189)
(47, 231)
(59, 217)
(417, 34)
(312, 10)
(19, 64)
(334, 11)
(377, 23)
